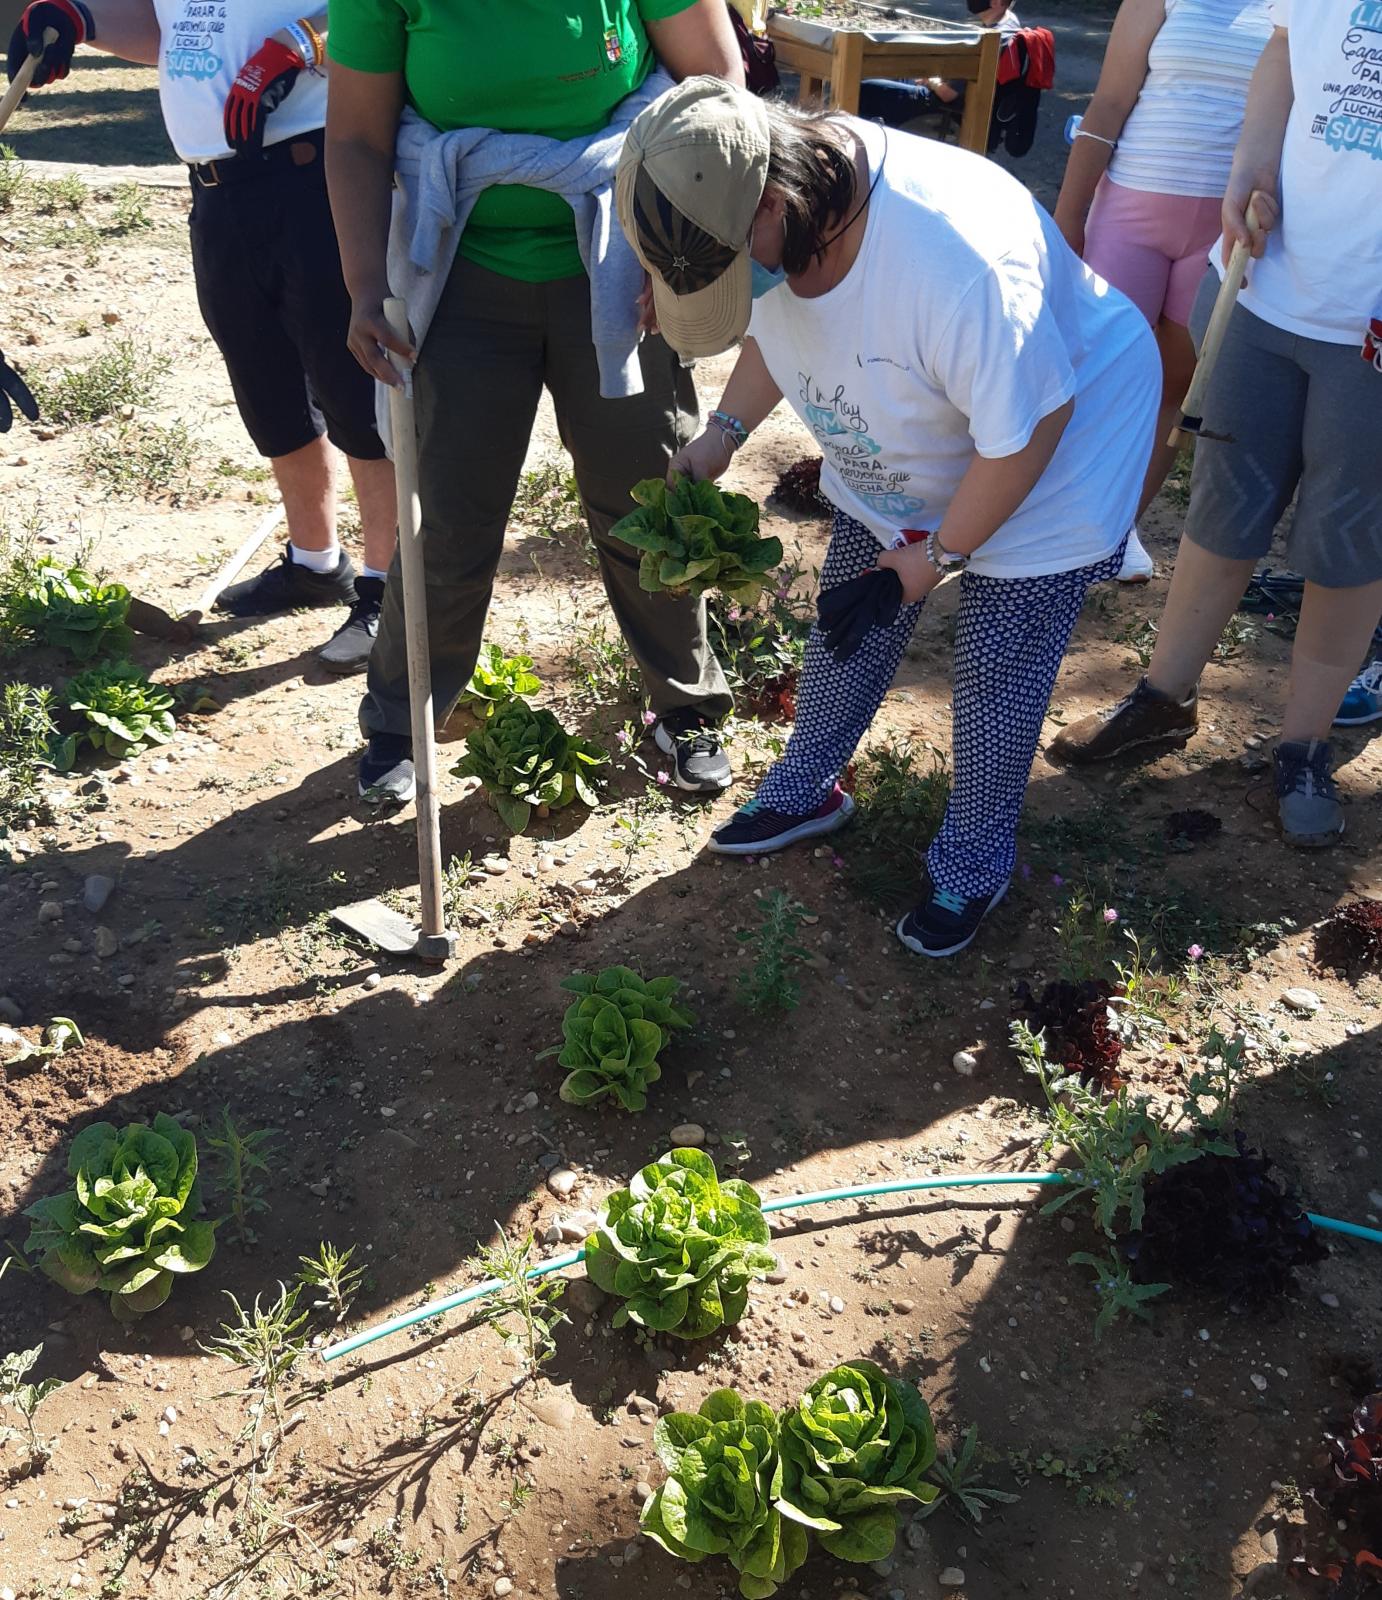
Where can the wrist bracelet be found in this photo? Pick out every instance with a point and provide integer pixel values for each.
(730, 426)
(318, 43)
(301, 42)
(1081, 133)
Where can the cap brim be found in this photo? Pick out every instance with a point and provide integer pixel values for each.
(710, 321)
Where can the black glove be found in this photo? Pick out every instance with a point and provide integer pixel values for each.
(72, 23)
(847, 612)
(13, 387)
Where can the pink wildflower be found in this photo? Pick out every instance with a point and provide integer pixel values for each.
(1110, 915)
(1195, 951)
(649, 717)
(662, 776)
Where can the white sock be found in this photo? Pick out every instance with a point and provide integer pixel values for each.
(373, 572)
(316, 560)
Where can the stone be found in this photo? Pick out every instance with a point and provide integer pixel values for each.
(1304, 1002)
(837, 1305)
(50, 911)
(578, 1226)
(561, 1181)
(1258, 1381)
(96, 891)
(502, 1586)
(1330, 1300)
(371, 980)
(952, 1578)
(496, 866)
(641, 1492)
(106, 944)
(965, 1062)
(10, 1010)
(530, 1101)
(688, 1134)
(904, 1308)
(585, 1297)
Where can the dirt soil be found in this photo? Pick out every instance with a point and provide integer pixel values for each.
(413, 1114)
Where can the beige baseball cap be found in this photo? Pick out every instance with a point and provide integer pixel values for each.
(690, 180)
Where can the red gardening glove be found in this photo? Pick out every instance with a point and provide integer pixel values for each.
(261, 86)
(72, 23)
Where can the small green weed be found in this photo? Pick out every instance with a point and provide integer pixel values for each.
(24, 1399)
(524, 1310)
(900, 796)
(456, 877)
(144, 460)
(956, 1476)
(28, 732)
(125, 375)
(267, 1342)
(240, 1155)
(131, 214)
(1140, 638)
(13, 177)
(605, 671)
(1118, 1294)
(768, 986)
(51, 195)
(330, 1273)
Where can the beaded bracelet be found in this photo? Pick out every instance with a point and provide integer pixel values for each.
(731, 427)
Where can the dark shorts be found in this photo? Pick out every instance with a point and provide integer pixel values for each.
(269, 284)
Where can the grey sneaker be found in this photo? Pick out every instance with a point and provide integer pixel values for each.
(347, 650)
(1307, 799)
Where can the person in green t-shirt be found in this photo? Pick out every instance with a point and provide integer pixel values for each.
(515, 316)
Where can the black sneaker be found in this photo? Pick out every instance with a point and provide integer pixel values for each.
(758, 830)
(286, 585)
(1306, 794)
(386, 770)
(946, 923)
(347, 650)
(699, 762)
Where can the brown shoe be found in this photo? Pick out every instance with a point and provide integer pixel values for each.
(1144, 717)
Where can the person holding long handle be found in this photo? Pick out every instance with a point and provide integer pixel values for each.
(503, 124)
(984, 407)
(1147, 171)
(243, 94)
(1296, 390)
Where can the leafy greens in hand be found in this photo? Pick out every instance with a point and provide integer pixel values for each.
(695, 537)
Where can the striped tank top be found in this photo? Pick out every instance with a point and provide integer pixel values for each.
(1179, 137)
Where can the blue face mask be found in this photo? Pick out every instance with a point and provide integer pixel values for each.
(764, 279)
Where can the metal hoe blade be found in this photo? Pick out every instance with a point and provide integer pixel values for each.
(383, 928)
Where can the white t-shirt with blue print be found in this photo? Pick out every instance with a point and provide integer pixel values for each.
(1321, 276)
(963, 321)
(203, 46)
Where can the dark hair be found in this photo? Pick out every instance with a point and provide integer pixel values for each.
(811, 168)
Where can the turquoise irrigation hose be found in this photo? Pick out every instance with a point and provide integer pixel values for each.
(478, 1291)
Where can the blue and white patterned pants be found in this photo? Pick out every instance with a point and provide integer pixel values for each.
(1010, 638)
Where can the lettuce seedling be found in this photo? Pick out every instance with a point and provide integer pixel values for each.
(127, 1226)
(527, 760)
(497, 679)
(854, 1447)
(696, 537)
(67, 607)
(613, 1035)
(723, 1491)
(125, 712)
(680, 1247)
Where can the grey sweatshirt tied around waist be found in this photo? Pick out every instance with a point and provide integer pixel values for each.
(440, 177)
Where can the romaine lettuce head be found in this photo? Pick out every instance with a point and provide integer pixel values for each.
(526, 759)
(695, 536)
(680, 1247)
(724, 1479)
(613, 1033)
(127, 1226)
(855, 1446)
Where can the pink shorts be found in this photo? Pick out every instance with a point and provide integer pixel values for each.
(1154, 247)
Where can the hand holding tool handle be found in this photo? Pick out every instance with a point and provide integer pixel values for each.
(24, 77)
(1192, 407)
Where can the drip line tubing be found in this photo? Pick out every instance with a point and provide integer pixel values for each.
(479, 1291)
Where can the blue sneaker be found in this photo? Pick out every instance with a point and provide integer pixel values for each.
(1363, 702)
(758, 830)
(946, 923)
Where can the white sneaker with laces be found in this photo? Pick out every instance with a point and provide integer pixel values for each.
(1137, 566)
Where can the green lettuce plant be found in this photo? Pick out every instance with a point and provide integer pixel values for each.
(527, 760)
(696, 537)
(854, 1447)
(723, 1491)
(128, 1225)
(613, 1034)
(680, 1247)
(497, 679)
(125, 712)
(67, 607)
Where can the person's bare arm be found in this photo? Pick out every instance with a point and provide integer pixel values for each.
(128, 29)
(992, 489)
(1120, 82)
(1257, 160)
(361, 128)
(698, 40)
(749, 396)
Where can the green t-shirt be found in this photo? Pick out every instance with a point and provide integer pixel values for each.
(554, 67)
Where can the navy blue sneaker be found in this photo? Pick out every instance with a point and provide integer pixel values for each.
(758, 830)
(946, 923)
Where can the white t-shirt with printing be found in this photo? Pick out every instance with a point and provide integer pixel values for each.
(1180, 135)
(1321, 276)
(203, 45)
(963, 321)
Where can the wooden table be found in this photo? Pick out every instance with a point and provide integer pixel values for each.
(843, 58)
